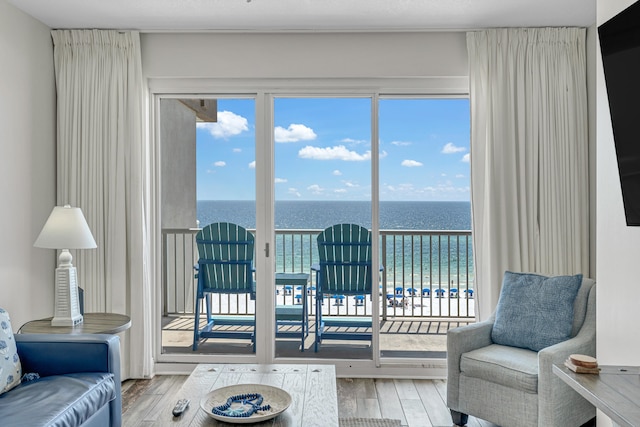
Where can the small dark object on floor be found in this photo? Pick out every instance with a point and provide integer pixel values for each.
(180, 407)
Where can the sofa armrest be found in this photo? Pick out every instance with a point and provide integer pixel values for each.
(59, 354)
(462, 340)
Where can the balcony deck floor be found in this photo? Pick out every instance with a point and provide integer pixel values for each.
(399, 337)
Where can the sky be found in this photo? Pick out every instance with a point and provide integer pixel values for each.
(323, 150)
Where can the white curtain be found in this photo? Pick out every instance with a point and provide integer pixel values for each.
(529, 155)
(102, 168)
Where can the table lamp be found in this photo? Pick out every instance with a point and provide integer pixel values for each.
(66, 229)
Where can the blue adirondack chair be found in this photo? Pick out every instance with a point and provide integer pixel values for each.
(345, 269)
(225, 266)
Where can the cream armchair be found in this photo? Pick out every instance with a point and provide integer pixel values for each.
(512, 386)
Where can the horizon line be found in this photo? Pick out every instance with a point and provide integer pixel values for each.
(332, 200)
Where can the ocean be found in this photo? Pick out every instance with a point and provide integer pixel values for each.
(321, 214)
(419, 260)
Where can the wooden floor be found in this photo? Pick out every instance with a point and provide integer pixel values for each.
(417, 403)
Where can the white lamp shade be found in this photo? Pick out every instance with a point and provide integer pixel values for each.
(66, 228)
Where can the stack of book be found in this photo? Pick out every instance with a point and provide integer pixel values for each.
(582, 364)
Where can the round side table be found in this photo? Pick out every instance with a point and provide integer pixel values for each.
(93, 323)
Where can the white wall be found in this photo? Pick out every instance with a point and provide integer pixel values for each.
(591, 111)
(27, 164)
(324, 55)
(178, 176)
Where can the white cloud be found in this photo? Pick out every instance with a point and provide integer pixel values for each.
(404, 188)
(315, 189)
(466, 158)
(237, 150)
(444, 190)
(350, 184)
(294, 191)
(383, 154)
(220, 164)
(294, 133)
(411, 163)
(340, 190)
(336, 172)
(460, 176)
(280, 180)
(449, 148)
(400, 143)
(339, 152)
(353, 141)
(252, 165)
(228, 124)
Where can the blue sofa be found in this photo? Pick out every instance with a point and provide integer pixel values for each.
(79, 382)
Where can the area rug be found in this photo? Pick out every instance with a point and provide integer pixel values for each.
(369, 422)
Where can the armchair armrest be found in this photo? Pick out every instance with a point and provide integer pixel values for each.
(470, 337)
(556, 400)
(461, 340)
(583, 343)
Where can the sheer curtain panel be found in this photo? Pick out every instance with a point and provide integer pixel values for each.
(529, 155)
(102, 168)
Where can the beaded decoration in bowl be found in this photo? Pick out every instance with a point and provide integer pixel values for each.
(245, 403)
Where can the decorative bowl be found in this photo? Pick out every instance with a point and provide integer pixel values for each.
(278, 399)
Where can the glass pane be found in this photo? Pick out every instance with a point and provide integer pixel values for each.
(425, 224)
(221, 174)
(323, 178)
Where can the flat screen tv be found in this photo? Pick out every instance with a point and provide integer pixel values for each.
(620, 46)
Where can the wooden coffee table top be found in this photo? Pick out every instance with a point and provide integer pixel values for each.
(312, 389)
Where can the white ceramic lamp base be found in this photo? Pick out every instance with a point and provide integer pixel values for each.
(67, 307)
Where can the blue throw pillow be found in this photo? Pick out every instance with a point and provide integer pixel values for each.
(10, 367)
(535, 311)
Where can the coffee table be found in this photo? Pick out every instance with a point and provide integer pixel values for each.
(312, 389)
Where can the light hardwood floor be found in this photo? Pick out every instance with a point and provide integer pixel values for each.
(417, 403)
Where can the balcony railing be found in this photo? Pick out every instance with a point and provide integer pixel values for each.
(425, 274)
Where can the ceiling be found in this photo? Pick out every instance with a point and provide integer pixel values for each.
(308, 15)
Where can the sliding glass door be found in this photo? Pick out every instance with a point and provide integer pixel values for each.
(288, 166)
(322, 178)
(208, 169)
(425, 223)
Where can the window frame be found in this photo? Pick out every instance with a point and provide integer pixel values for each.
(263, 91)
